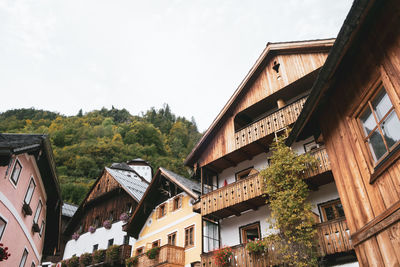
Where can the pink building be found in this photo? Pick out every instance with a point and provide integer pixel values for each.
(30, 200)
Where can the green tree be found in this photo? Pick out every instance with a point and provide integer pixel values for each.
(291, 213)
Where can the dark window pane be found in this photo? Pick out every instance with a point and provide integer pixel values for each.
(368, 121)
(339, 209)
(376, 144)
(381, 104)
(330, 214)
(251, 234)
(391, 129)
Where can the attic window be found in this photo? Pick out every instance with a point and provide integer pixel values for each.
(275, 67)
(177, 203)
(162, 211)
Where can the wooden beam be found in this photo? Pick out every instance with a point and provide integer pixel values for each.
(251, 205)
(214, 168)
(230, 160)
(231, 163)
(261, 146)
(233, 211)
(245, 154)
(201, 181)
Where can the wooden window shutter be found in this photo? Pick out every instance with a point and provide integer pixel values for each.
(180, 202)
(157, 212)
(170, 205)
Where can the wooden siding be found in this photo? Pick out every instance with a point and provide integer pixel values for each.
(169, 256)
(269, 124)
(323, 164)
(292, 67)
(377, 58)
(107, 196)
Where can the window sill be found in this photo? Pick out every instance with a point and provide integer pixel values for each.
(385, 163)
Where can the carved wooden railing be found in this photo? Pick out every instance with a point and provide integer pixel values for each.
(334, 237)
(169, 255)
(269, 124)
(231, 194)
(241, 257)
(323, 164)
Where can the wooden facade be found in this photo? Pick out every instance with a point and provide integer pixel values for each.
(367, 57)
(297, 64)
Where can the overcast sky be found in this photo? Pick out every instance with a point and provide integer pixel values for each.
(85, 54)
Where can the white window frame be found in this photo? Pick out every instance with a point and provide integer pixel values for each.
(22, 258)
(2, 218)
(12, 172)
(33, 191)
(37, 214)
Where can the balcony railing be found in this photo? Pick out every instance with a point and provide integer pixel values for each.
(241, 257)
(323, 164)
(169, 255)
(269, 124)
(334, 237)
(228, 196)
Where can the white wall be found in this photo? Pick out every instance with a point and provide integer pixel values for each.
(87, 240)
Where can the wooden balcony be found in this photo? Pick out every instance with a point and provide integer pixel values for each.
(169, 255)
(234, 198)
(323, 164)
(334, 237)
(269, 124)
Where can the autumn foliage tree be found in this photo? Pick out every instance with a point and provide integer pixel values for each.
(291, 214)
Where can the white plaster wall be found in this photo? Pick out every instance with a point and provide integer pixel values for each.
(298, 147)
(325, 193)
(350, 264)
(87, 240)
(229, 227)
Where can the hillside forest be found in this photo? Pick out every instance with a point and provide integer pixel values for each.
(84, 144)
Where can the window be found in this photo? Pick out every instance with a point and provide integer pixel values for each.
(95, 247)
(29, 192)
(245, 173)
(310, 146)
(331, 210)
(380, 124)
(129, 208)
(3, 224)
(177, 203)
(172, 239)
(126, 240)
(23, 259)
(210, 236)
(250, 232)
(37, 213)
(156, 243)
(111, 217)
(162, 211)
(139, 251)
(110, 242)
(16, 172)
(42, 228)
(96, 222)
(189, 236)
(33, 264)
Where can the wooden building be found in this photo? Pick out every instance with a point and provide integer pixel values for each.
(30, 199)
(354, 107)
(97, 223)
(228, 158)
(165, 219)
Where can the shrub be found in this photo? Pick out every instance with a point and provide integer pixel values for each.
(112, 254)
(75, 236)
(85, 259)
(92, 229)
(4, 253)
(64, 263)
(130, 262)
(73, 262)
(107, 224)
(256, 246)
(223, 256)
(152, 253)
(99, 256)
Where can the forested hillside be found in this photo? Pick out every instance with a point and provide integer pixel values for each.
(85, 143)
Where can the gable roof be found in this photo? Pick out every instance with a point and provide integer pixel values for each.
(132, 185)
(346, 37)
(270, 50)
(147, 203)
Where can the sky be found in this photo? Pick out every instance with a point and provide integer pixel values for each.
(68, 55)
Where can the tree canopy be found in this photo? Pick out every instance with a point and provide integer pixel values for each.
(84, 144)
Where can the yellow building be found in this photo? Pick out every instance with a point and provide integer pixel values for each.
(164, 218)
